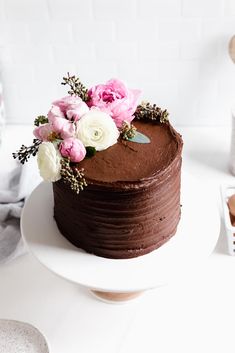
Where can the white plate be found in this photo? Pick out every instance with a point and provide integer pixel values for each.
(20, 337)
(195, 239)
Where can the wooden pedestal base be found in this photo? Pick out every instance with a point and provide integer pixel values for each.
(116, 297)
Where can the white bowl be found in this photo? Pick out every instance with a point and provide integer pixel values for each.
(20, 337)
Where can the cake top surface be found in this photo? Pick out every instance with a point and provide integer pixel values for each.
(130, 161)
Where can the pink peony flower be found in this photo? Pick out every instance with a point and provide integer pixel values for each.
(72, 148)
(115, 99)
(59, 124)
(42, 132)
(65, 102)
(72, 107)
(55, 112)
(63, 127)
(75, 112)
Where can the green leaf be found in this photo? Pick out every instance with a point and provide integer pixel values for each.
(41, 119)
(90, 151)
(139, 138)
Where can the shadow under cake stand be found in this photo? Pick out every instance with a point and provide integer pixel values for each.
(121, 280)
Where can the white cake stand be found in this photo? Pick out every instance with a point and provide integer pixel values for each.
(121, 280)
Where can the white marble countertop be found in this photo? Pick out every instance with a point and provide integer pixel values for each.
(192, 315)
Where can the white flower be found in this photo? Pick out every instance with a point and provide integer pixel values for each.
(48, 159)
(97, 129)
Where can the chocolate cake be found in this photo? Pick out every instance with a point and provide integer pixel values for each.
(131, 205)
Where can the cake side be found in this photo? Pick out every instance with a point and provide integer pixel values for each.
(132, 209)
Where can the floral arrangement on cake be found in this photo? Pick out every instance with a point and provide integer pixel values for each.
(83, 123)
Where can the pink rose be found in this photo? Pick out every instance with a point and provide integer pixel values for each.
(115, 99)
(42, 132)
(72, 107)
(73, 149)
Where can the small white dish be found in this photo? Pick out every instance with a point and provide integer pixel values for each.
(20, 337)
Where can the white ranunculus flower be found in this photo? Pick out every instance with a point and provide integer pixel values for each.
(48, 159)
(97, 129)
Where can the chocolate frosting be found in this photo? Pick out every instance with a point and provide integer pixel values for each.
(131, 205)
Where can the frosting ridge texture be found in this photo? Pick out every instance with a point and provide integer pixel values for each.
(131, 205)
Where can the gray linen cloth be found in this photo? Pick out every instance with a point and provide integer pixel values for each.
(15, 186)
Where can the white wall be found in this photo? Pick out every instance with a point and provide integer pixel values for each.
(174, 50)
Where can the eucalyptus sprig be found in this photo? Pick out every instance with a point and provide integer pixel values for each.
(72, 176)
(151, 112)
(127, 131)
(25, 152)
(76, 87)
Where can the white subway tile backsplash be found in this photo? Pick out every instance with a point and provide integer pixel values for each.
(69, 10)
(113, 9)
(225, 70)
(82, 52)
(46, 92)
(178, 70)
(26, 10)
(53, 72)
(29, 111)
(14, 33)
(50, 32)
(22, 54)
(229, 7)
(176, 29)
(5, 57)
(141, 30)
(137, 73)
(3, 40)
(2, 10)
(99, 31)
(119, 51)
(12, 93)
(209, 65)
(150, 50)
(208, 96)
(105, 70)
(212, 29)
(152, 9)
(191, 50)
(60, 33)
(228, 27)
(175, 51)
(226, 104)
(17, 73)
(188, 100)
(164, 94)
(202, 8)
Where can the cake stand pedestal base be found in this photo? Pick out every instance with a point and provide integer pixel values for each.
(123, 280)
(116, 297)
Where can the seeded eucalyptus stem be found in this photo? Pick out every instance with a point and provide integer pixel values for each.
(72, 176)
(151, 112)
(25, 152)
(127, 131)
(76, 87)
